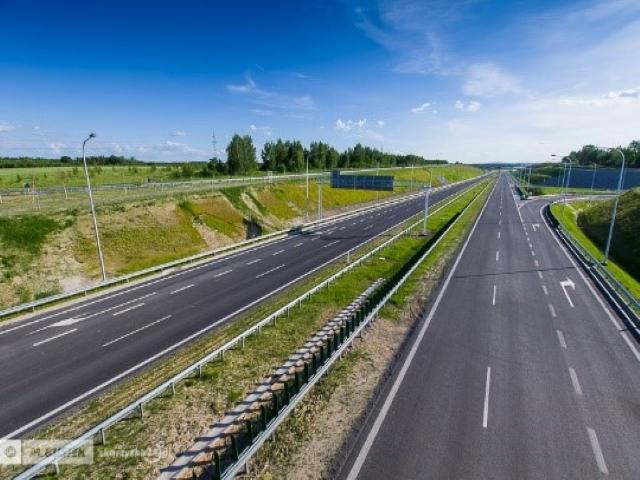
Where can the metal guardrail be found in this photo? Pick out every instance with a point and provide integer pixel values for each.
(170, 384)
(380, 298)
(203, 256)
(593, 265)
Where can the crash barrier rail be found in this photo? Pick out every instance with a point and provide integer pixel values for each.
(123, 279)
(226, 439)
(624, 301)
(225, 451)
(137, 406)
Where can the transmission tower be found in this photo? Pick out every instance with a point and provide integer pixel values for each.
(215, 144)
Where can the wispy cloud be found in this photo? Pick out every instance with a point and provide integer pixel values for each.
(488, 80)
(6, 127)
(613, 97)
(380, 123)
(421, 108)
(179, 133)
(57, 147)
(472, 106)
(271, 99)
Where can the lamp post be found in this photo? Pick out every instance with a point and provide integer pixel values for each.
(615, 208)
(307, 205)
(93, 210)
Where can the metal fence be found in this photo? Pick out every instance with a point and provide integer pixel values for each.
(137, 406)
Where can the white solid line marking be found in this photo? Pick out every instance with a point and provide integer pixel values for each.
(553, 310)
(270, 271)
(544, 288)
(222, 273)
(298, 244)
(494, 295)
(377, 424)
(575, 382)
(497, 255)
(135, 331)
(54, 337)
(331, 243)
(563, 344)
(115, 314)
(597, 452)
(485, 413)
(591, 288)
(540, 274)
(173, 292)
(254, 261)
(277, 253)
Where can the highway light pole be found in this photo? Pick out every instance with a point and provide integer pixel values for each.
(307, 206)
(615, 208)
(93, 210)
(566, 186)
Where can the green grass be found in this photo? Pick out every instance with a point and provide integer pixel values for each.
(544, 190)
(27, 233)
(570, 222)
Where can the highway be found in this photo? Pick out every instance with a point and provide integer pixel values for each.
(57, 359)
(519, 370)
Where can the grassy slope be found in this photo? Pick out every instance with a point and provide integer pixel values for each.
(570, 222)
(141, 234)
(625, 247)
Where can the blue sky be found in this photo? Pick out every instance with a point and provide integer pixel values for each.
(466, 80)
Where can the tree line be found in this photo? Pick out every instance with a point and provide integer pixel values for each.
(65, 161)
(592, 155)
(284, 156)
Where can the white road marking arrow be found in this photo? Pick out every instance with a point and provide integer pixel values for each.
(568, 283)
(535, 226)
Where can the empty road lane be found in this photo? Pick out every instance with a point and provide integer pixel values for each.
(518, 371)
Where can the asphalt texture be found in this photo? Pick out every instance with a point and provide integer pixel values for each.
(54, 360)
(508, 376)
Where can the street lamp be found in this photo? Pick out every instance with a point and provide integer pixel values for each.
(615, 207)
(93, 210)
(307, 206)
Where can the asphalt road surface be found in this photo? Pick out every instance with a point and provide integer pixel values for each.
(519, 370)
(54, 360)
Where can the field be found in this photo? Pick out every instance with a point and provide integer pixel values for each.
(49, 250)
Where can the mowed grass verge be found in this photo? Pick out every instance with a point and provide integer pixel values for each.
(569, 220)
(174, 422)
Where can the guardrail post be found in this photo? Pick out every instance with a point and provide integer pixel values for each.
(141, 410)
(250, 431)
(306, 372)
(216, 465)
(103, 436)
(173, 388)
(234, 448)
(263, 417)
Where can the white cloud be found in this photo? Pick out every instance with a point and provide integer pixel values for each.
(57, 147)
(488, 80)
(421, 108)
(262, 112)
(619, 97)
(6, 127)
(380, 123)
(271, 99)
(350, 125)
(179, 133)
(266, 130)
(472, 106)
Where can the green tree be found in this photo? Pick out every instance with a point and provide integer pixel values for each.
(241, 155)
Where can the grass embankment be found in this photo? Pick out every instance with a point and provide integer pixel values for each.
(587, 222)
(311, 442)
(142, 234)
(543, 190)
(174, 422)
